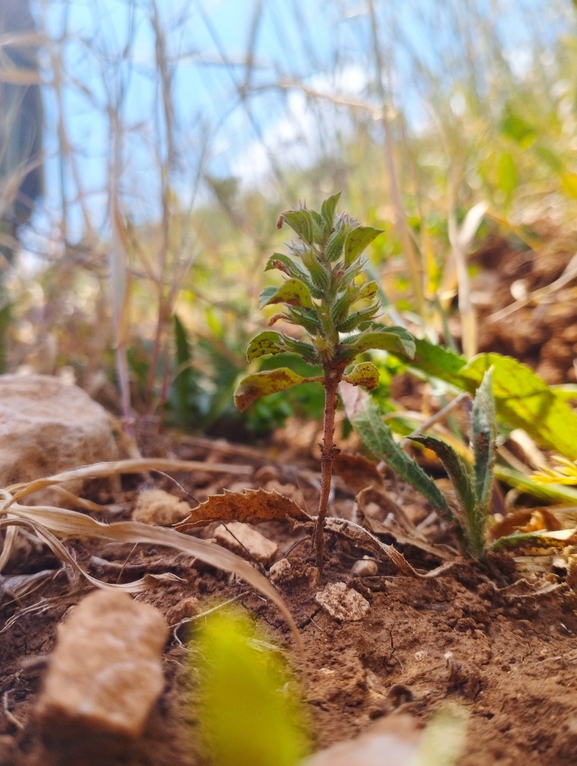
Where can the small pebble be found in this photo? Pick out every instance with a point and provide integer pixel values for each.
(342, 603)
(246, 541)
(365, 567)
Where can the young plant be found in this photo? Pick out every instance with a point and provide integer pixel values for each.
(472, 484)
(326, 293)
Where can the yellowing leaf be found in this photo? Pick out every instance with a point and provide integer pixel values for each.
(268, 342)
(292, 292)
(260, 384)
(364, 374)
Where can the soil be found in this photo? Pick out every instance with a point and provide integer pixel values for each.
(498, 641)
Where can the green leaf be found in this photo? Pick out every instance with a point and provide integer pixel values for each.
(304, 350)
(252, 387)
(315, 268)
(336, 243)
(290, 267)
(393, 339)
(483, 436)
(249, 709)
(328, 209)
(357, 240)
(184, 381)
(268, 342)
(525, 401)
(368, 292)
(355, 320)
(378, 437)
(301, 222)
(364, 374)
(293, 292)
(515, 127)
(473, 520)
(438, 362)
(267, 293)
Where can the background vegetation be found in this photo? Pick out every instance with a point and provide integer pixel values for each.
(176, 131)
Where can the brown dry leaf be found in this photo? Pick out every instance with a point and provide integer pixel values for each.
(251, 506)
(357, 472)
(398, 523)
(530, 520)
(366, 541)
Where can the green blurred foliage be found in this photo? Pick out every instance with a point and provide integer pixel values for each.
(249, 709)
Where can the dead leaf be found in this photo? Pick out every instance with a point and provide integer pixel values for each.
(251, 506)
(357, 472)
(366, 541)
(530, 520)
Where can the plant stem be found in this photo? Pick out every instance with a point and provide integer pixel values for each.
(331, 382)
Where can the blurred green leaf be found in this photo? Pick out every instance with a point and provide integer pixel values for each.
(515, 127)
(507, 176)
(569, 184)
(183, 383)
(483, 436)
(249, 713)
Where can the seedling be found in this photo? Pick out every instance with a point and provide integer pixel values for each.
(326, 293)
(472, 484)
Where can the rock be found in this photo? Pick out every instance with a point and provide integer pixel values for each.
(155, 506)
(391, 742)
(342, 603)
(105, 673)
(365, 567)
(278, 570)
(48, 426)
(244, 540)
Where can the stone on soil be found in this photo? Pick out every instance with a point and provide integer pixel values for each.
(155, 506)
(244, 540)
(392, 742)
(48, 426)
(105, 673)
(342, 603)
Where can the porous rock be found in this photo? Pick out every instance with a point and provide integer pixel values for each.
(155, 506)
(246, 541)
(48, 426)
(342, 603)
(105, 673)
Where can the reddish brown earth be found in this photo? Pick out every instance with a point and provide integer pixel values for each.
(500, 646)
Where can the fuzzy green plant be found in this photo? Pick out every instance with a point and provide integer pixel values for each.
(332, 305)
(473, 484)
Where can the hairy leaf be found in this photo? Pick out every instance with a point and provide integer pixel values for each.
(334, 249)
(268, 342)
(260, 384)
(484, 434)
(364, 374)
(379, 439)
(293, 292)
(394, 339)
(328, 209)
(474, 518)
(368, 291)
(301, 222)
(357, 240)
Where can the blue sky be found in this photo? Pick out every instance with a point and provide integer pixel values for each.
(325, 45)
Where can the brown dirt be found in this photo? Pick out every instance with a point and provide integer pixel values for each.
(476, 634)
(503, 653)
